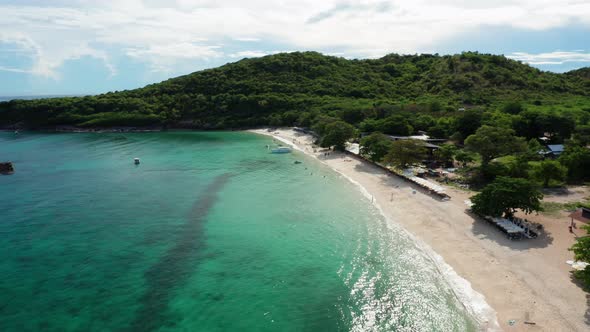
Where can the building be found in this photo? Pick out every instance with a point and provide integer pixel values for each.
(428, 142)
(422, 137)
(554, 150)
(581, 214)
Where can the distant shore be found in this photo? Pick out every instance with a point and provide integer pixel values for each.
(516, 278)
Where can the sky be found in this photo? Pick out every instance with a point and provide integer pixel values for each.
(89, 47)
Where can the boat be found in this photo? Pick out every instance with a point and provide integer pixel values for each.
(297, 162)
(136, 161)
(281, 149)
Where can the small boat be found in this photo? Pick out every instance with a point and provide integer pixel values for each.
(281, 149)
(297, 162)
(136, 161)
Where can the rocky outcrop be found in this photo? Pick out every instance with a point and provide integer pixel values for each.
(6, 168)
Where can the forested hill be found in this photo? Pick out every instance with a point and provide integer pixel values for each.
(294, 88)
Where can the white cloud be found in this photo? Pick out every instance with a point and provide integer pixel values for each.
(164, 33)
(552, 58)
(162, 57)
(249, 54)
(14, 70)
(256, 54)
(247, 39)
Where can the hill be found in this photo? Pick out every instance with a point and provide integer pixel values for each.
(294, 88)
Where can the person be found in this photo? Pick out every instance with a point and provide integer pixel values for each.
(571, 230)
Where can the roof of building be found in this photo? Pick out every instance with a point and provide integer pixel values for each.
(581, 214)
(555, 148)
(422, 138)
(431, 146)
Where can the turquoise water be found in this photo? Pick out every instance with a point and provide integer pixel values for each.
(209, 233)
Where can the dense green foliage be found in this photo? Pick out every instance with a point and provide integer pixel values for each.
(581, 251)
(492, 142)
(335, 134)
(577, 160)
(405, 152)
(446, 154)
(394, 94)
(375, 146)
(548, 170)
(505, 195)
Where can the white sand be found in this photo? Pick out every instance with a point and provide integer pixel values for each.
(522, 280)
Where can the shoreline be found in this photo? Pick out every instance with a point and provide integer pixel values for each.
(473, 302)
(502, 283)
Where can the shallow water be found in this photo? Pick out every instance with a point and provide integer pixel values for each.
(209, 233)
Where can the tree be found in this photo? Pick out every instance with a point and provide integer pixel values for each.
(170, 116)
(505, 195)
(577, 161)
(321, 123)
(513, 108)
(581, 251)
(275, 120)
(464, 157)
(336, 134)
(405, 152)
(375, 146)
(394, 125)
(534, 149)
(558, 126)
(423, 122)
(492, 142)
(548, 170)
(445, 154)
(469, 122)
(581, 135)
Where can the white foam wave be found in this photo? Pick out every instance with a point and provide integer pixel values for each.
(473, 301)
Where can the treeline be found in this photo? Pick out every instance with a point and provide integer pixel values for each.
(296, 88)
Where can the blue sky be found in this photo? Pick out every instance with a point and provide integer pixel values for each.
(87, 47)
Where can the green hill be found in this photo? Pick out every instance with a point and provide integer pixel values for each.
(294, 88)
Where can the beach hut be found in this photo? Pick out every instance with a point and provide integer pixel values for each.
(581, 214)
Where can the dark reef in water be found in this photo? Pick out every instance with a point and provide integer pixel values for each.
(174, 266)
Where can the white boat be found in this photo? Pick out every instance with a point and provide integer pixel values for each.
(281, 149)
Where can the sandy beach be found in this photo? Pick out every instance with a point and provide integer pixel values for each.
(523, 281)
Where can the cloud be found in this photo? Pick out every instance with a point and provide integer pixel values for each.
(349, 7)
(255, 54)
(249, 54)
(166, 33)
(14, 70)
(161, 57)
(552, 58)
(247, 39)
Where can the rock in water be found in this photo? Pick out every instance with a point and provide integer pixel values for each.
(6, 168)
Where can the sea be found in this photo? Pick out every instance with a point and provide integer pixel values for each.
(210, 232)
